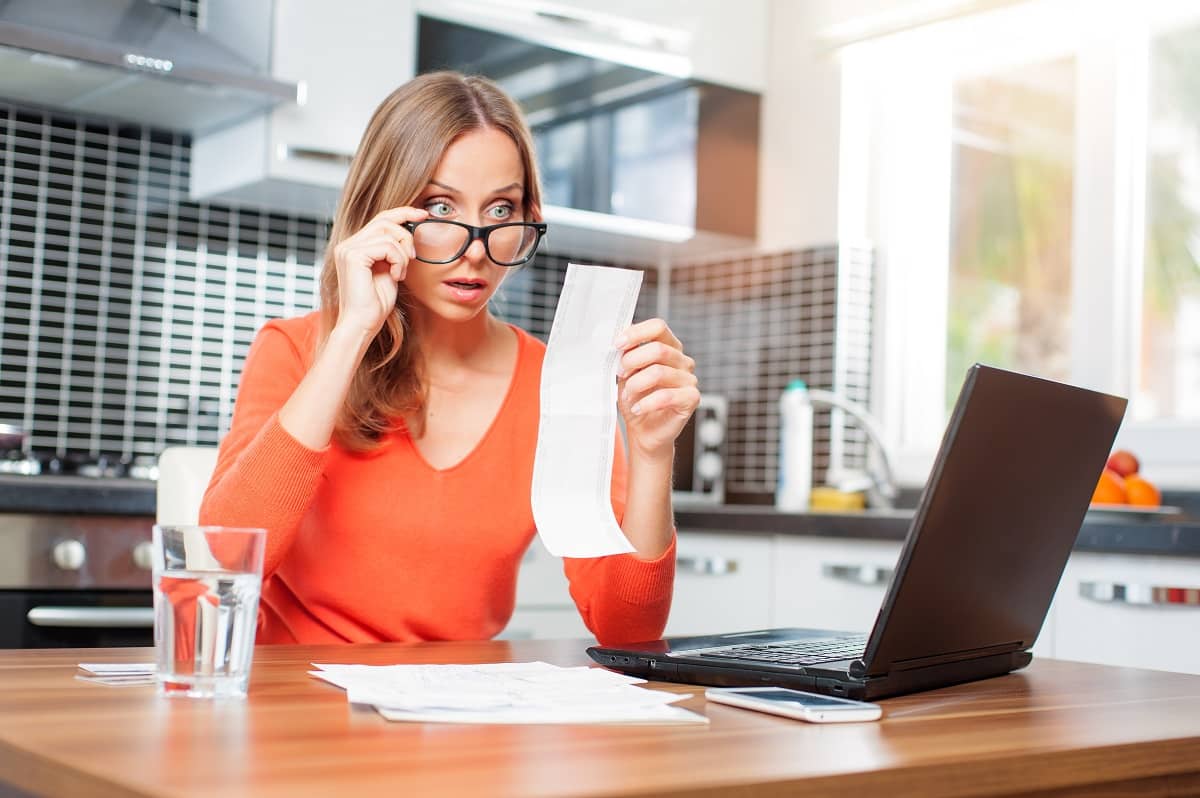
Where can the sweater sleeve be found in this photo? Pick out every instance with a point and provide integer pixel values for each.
(623, 599)
(264, 477)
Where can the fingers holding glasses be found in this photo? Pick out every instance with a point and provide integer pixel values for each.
(370, 263)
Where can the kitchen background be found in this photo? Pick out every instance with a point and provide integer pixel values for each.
(127, 307)
(866, 194)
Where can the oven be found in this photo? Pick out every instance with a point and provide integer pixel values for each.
(71, 580)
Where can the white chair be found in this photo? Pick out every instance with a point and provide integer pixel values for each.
(183, 474)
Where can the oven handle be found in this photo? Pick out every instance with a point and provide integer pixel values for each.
(92, 617)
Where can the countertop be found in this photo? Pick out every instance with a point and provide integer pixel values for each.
(1176, 535)
(76, 495)
(1170, 535)
(1055, 728)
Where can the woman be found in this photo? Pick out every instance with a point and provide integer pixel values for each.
(386, 441)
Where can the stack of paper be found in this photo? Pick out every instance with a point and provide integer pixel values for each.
(117, 674)
(512, 692)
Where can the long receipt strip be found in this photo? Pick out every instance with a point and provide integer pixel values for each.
(508, 692)
(572, 468)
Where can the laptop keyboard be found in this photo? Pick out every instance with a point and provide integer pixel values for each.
(793, 652)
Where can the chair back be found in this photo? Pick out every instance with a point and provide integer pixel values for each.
(183, 475)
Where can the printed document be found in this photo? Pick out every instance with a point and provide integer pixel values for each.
(509, 692)
(572, 467)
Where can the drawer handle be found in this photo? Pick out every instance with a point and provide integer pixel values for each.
(867, 575)
(92, 617)
(706, 566)
(1140, 595)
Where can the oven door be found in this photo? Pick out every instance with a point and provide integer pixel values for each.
(76, 618)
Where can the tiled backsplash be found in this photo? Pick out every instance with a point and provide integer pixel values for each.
(126, 309)
(755, 323)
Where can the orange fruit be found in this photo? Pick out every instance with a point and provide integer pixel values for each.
(1142, 492)
(1110, 489)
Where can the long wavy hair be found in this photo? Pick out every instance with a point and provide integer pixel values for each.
(398, 156)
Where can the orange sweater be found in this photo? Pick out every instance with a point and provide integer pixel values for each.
(382, 546)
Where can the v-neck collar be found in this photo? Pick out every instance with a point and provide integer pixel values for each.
(522, 346)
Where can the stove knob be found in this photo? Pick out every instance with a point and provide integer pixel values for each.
(709, 465)
(69, 555)
(143, 555)
(710, 432)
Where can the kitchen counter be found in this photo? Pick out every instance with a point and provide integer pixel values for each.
(76, 495)
(1177, 535)
(1172, 535)
(1056, 728)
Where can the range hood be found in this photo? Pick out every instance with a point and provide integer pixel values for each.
(633, 151)
(130, 60)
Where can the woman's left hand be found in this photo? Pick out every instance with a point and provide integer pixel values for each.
(656, 387)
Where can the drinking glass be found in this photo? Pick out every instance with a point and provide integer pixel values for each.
(207, 581)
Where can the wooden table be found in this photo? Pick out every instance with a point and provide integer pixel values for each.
(1059, 728)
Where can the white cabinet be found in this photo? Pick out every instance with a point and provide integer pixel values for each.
(722, 583)
(544, 607)
(705, 39)
(1132, 610)
(831, 583)
(349, 56)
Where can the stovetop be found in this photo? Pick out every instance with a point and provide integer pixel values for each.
(75, 464)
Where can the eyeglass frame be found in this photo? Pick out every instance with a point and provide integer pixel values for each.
(481, 234)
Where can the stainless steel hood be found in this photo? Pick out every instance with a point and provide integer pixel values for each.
(130, 60)
(625, 152)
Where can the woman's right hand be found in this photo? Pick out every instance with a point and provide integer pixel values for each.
(370, 265)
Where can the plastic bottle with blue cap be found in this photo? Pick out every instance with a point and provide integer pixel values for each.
(794, 490)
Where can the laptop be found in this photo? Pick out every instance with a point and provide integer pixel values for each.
(983, 557)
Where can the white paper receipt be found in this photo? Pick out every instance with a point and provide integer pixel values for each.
(572, 468)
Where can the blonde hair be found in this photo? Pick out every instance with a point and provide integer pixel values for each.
(399, 153)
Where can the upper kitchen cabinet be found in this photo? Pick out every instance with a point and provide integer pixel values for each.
(705, 41)
(346, 57)
(641, 153)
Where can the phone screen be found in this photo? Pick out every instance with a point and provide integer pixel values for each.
(805, 700)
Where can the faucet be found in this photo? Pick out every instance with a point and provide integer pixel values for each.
(883, 491)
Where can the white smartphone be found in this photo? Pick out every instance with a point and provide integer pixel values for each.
(812, 707)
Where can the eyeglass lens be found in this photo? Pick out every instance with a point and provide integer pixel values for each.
(445, 241)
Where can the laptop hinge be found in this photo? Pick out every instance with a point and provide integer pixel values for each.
(954, 656)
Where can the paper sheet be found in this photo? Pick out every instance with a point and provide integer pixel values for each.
(117, 674)
(514, 692)
(572, 468)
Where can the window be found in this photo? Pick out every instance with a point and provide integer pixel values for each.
(1169, 377)
(1010, 221)
(1030, 178)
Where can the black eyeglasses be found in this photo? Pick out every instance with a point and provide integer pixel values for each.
(444, 241)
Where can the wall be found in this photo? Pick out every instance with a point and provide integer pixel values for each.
(127, 310)
(753, 324)
(798, 177)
